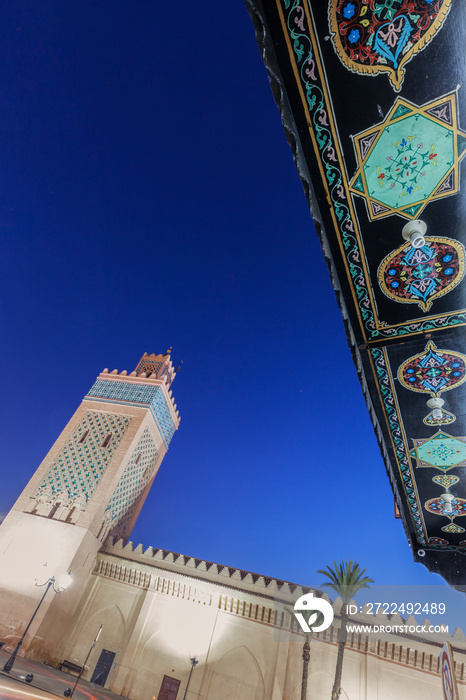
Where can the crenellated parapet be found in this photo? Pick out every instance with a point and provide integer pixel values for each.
(255, 598)
(210, 571)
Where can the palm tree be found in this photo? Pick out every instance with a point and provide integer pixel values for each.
(306, 658)
(306, 645)
(346, 580)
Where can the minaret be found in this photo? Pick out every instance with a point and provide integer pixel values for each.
(92, 483)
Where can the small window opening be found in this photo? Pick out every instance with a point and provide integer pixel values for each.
(84, 436)
(54, 510)
(138, 458)
(70, 515)
(107, 440)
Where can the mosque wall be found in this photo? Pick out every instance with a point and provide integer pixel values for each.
(156, 618)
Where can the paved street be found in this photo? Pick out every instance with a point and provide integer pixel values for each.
(47, 683)
(10, 689)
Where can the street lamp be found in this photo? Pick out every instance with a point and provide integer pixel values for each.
(194, 663)
(68, 691)
(62, 582)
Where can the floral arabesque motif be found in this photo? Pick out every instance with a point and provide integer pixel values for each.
(437, 422)
(316, 103)
(421, 275)
(433, 371)
(439, 506)
(445, 480)
(383, 35)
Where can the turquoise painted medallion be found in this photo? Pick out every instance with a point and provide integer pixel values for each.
(441, 451)
(410, 159)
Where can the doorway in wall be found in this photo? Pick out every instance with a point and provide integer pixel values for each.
(169, 688)
(103, 666)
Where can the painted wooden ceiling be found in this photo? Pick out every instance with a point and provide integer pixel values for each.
(372, 101)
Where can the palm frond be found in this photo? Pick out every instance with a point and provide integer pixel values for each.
(346, 579)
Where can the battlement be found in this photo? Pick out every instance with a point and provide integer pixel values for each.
(283, 594)
(222, 574)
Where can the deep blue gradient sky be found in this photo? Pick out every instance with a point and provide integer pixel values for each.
(149, 199)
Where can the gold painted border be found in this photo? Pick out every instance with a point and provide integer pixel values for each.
(405, 442)
(354, 218)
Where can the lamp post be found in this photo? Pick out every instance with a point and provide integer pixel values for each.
(62, 581)
(69, 692)
(194, 663)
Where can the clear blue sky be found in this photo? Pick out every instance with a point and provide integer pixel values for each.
(149, 199)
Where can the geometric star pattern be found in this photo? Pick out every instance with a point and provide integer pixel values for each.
(137, 474)
(410, 159)
(80, 464)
